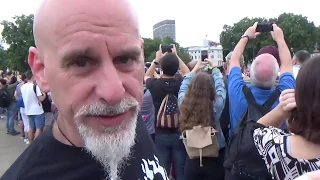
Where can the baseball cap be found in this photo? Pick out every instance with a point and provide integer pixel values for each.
(270, 50)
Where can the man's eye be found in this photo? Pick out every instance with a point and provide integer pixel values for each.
(81, 63)
(123, 60)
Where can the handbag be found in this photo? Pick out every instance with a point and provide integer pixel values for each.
(201, 142)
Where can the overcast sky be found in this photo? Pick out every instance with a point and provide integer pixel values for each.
(194, 18)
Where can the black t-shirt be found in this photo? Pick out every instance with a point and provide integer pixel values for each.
(159, 88)
(46, 158)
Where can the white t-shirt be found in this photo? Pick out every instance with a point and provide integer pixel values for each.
(295, 71)
(32, 105)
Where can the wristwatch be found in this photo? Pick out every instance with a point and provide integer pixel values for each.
(243, 36)
(155, 62)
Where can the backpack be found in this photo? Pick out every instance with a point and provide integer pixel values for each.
(225, 115)
(19, 101)
(201, 142)
(46, 103)
(242, 157)
(5, 99)
(168, 113)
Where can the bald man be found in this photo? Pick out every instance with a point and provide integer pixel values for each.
(263, 74)
(89, 56)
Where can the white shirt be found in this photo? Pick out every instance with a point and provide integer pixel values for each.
(295, 69)
(32, 104)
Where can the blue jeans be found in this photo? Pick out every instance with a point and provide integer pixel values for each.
(37, 121)
(11, 116)
(171, 148)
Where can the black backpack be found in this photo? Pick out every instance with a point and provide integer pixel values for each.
(4, 97)
(242, 157)
(225, 115)
(46, 103)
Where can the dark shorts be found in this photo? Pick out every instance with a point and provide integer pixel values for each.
(36, 121)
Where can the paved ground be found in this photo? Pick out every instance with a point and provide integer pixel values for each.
(10, 147)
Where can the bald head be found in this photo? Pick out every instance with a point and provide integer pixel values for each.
(89, 56)
(54, 16)
(264, 71)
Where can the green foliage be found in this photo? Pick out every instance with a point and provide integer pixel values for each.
(298, 31)
(19, 36)
(3, 58)
(152, 45)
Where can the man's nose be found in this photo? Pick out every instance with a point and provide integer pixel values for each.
(110, 87)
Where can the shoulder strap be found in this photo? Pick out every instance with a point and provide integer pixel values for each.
(145, 90)
(35, 89)
(248, 95)
(251, 100)
(225, 80)
(273, 97)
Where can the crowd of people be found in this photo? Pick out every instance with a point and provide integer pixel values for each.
(121, 118)
(23, 102)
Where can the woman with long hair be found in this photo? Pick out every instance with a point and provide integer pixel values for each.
(290, 155)
(202, 97)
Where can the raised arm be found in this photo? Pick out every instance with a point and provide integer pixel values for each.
(183, 67)
(240, 47)
(284, 52)
(150, 72)
(220, 90)
(184, 86)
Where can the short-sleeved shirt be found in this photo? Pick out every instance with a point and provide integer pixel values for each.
(273, 145)
(49, 159)
(32, 105)
(159, 88)
(237, 102)
(147, 111)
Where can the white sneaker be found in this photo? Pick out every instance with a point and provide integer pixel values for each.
(27, 142)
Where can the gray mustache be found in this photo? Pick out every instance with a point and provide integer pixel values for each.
(105, 109)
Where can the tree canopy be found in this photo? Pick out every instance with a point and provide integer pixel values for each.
(19, 36)
(299, 33)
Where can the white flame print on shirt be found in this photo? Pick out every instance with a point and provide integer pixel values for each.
(156, 169)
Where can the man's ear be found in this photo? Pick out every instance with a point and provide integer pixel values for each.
(37, 67)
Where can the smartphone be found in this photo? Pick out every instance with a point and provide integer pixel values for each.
(204, 54)
(166, 48)
(267, 27)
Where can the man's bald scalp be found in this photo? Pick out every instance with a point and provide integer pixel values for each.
(50, 12)
(264, 70)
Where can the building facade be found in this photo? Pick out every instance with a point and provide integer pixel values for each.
(165, 28)
(214, 52)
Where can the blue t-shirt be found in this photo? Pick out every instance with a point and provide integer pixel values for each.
(238, 103)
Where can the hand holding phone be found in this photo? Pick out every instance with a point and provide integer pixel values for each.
(166, 48)
(267, 27)
(204, 55)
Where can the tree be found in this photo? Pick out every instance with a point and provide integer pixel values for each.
(298, 31)
(19, 36)
(230, 36)
(3, 58)
(152, 45)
